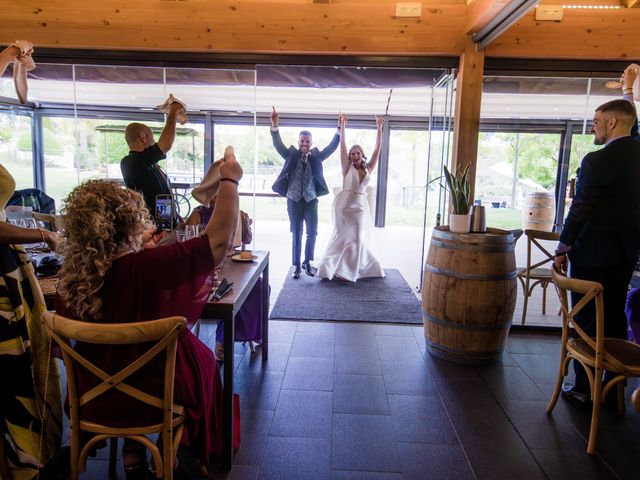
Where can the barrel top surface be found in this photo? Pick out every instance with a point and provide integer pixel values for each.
(492, 235)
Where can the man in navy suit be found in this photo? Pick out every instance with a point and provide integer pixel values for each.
(601, 234)
(302, 182)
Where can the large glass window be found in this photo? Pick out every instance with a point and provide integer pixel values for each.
(16, 153)
(510, 166)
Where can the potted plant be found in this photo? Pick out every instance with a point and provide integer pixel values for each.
(458, 186)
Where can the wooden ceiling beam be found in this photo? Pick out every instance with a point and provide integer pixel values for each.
(480, 12)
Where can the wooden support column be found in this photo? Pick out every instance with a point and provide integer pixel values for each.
(467, 113)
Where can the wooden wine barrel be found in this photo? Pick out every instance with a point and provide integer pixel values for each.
(469, 294)
(539, 211)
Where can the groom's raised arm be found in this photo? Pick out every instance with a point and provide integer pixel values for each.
(329, 149)
(275, 135)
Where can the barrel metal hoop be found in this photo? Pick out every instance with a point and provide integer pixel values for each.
(466, 327)
(474, 247)
(471, 276)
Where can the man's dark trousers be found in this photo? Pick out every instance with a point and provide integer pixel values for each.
(299, 213)
(615, 282)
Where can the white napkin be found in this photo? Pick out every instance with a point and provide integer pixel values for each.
(165, 107)
(26, 49)
(636, 84)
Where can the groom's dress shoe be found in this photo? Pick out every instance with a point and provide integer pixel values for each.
(307, 269)
(296, 273)
(569, 392)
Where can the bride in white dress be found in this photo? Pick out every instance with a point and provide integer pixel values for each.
(348, 255)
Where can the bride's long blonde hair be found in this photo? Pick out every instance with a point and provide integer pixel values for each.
(101, 218)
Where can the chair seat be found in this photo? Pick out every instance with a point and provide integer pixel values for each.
(536, 273)
(626, 352)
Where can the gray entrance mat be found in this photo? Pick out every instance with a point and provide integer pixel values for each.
(387, 300)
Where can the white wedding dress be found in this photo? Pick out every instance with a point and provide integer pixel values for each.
(348, 254)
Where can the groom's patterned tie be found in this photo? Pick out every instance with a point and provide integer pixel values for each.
(300, 180)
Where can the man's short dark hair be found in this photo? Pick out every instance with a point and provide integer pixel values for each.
(626, 108)
(305, 132)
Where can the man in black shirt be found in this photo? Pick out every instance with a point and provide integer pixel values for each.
(140, 169)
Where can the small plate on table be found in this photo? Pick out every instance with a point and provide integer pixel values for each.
(238, 258)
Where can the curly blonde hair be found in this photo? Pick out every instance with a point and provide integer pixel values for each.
(101, 219)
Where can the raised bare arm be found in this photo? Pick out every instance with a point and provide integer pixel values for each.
(376, 150)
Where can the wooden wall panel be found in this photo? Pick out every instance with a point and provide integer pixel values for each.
(582, 34)
(343, 28)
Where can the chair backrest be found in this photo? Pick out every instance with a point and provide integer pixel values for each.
(160, 334)
(535, 239)
(35, 198)
(591, 291)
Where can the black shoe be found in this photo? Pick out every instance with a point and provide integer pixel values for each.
(569, 392)
(296, 273)
(308, 269)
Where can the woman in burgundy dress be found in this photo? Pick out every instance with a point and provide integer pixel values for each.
(107, 277)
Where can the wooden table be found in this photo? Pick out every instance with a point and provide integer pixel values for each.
(244, 277)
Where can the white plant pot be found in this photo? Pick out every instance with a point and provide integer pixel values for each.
(459, 223)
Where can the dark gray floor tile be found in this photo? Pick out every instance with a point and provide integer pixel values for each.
(364, 442)
(255, 426)
(510, 383)
(531, 343)
(278, 358)
(422, 461)
(408, 378)
(353, 475)
(238, 472)
(357, 359)
(444, 370)
(304, 373)
(258, 389)
(540, 430)
(573, 465)
(494, 449)
(456, 394)
(421, 419)
(401, 349)
(538, 367)
(313, 345)
(393, 330)
(99, 470)
(290, 457)
(281, 331)
(303, 413)
(326, 328)
(363, 394)
(418, 332)
(355, 334)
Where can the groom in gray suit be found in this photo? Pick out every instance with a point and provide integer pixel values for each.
(302, 182)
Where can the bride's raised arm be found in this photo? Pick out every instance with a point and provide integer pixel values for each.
(344, 154)
(376, 151)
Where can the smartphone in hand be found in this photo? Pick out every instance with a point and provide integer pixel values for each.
(165, 214)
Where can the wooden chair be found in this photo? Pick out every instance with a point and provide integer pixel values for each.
(635, 400)
(162, 334)
(536, 273)
(621, 358)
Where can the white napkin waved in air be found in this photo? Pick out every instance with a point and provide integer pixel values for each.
(26, 49)
(165, 107)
